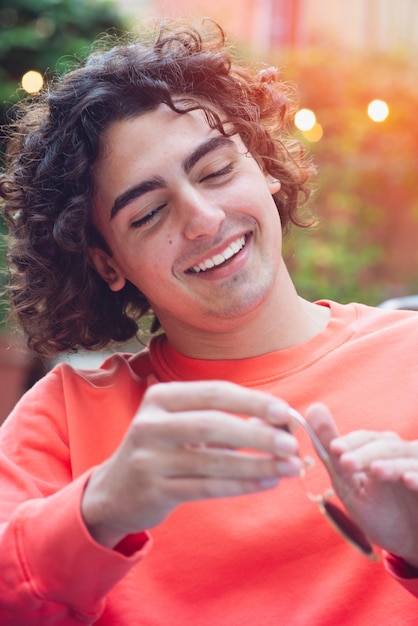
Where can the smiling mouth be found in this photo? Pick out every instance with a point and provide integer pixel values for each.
(218, 259)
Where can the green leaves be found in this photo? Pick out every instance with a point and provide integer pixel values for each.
(365, 245)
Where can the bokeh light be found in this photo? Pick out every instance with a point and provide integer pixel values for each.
(378, 110)
(314, 134)
(305, 119)
(32, 81)
(45, 26)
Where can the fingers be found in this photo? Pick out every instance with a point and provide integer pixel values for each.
(210, 428)
(187, 414)
(383, 454)
(410, 479)
(368, 446)
(226, 464)
(393, 470)
(217, 395)
(321, 421)
(360, 439)
(186, 490)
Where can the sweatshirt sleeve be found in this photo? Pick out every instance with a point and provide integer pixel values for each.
(406, 575)
(52, 570)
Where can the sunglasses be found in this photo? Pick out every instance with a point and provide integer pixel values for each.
(333, 513)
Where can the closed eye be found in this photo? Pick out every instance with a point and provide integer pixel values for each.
(148, 218)
(219, 173)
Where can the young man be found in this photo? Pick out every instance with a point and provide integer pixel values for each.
(158, 178)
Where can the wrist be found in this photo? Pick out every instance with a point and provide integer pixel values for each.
(93, 509)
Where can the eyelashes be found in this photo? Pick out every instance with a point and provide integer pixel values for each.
(148, 218)
(152, 215)
(219, 173)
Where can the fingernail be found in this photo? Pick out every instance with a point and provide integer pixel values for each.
(278, 412)
(268, 483)
(285, 443)
(290, 467)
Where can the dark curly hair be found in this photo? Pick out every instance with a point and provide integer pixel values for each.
(47, 190)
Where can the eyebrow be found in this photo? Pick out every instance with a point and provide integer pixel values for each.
(157, 182)
(136, 192)
(214, 143)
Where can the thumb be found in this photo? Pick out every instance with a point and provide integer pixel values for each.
(320, 419)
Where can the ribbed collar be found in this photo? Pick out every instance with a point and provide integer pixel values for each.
(171, 365)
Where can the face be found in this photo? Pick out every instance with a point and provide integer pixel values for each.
(189, 218)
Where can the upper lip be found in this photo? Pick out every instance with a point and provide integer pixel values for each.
(219, 254)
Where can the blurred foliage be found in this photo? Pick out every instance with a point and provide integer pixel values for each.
(365, 246)
(48, 36)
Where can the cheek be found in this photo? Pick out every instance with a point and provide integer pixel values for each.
(147, 264)
(253, 190)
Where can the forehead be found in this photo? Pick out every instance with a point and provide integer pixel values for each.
(158, 132)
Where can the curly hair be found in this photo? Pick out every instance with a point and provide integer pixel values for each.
(47, 191)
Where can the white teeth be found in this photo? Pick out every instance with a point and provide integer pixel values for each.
(218, 259)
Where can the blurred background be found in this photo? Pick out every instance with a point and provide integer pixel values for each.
(355, 65)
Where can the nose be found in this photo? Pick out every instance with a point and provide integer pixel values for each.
(202, 217)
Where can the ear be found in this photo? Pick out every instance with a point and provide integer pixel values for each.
(273, 184)
(106, 267)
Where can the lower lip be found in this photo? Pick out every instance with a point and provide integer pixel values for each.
(230, 267)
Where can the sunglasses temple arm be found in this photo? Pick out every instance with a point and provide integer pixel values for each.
(320, 450)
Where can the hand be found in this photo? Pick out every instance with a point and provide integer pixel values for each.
(184, 444)
(379, 474)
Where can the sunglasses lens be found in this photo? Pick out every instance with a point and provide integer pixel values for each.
(344, 525)
(318, 487)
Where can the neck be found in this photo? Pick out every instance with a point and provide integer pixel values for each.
(283, 321)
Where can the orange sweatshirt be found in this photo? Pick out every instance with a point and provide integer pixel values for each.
(263, 559)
